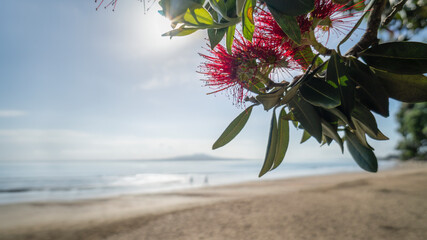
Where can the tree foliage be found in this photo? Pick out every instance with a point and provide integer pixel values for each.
(412, 118)
(255, 43)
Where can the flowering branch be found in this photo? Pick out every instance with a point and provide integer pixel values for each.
(334, 98)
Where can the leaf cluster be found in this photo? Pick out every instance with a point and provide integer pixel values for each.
(335, 101)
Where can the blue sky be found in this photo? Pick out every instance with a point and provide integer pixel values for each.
(80, 84)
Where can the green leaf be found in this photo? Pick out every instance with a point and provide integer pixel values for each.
(366, 120)
(405, 88)
(288, 24)
(319, 93)
(291, 7)
(271, 99)
(337, 78)
(239, 6)
(306, 114)
(287, 116)
(230, 38)
(179, 32)
(305, 56)
(282, 141)
(360, 134)
(305, 136)
(363, 156)
(398, 57)
(368, 87)
(215, 36)
(233, 129)
(231, 8)
(331, 132)
(248, 26)
(198, 17)
(219, 6)
(290, 94)
(176, 9)
(271, 147)
(341, 116)
(326, 140)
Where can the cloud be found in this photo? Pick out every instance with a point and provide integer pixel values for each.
(12, 113)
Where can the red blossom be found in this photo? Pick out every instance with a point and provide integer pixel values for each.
(248, 65)
(334, 17)
(271, 33)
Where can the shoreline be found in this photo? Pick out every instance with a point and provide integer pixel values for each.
(181, 214)
(105, 186)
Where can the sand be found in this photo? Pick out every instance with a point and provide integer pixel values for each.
(388, 205)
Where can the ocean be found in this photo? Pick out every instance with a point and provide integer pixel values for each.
(41, 181)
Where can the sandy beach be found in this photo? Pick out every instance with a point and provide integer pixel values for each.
(390, 204)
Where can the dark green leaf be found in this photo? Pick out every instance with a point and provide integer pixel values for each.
(405, 88)
(233, 129)
(305, 136)
(398, 57)
(271, 99)
(305, 113)
(231, 8)
(248, 26)
(337, 78)
(363, 156)
(368, 88)
(230, 38)
(366, 120)
(282, 139)
(337, 112)
(288, 24)
(271, 147)
(360, 134)
(291, 7)
(319, 93)
(326, 140)
(290, 94)
(331, 132)
(215, 36)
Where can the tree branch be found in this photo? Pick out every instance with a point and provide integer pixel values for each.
(396, 8)
(370, 36)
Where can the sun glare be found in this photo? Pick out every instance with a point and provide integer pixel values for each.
(149, 34)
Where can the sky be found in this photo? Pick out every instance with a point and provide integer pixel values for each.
(81, 84)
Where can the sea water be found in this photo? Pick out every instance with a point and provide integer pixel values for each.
(70, 180)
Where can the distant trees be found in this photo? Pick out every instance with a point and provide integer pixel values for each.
(412, 119)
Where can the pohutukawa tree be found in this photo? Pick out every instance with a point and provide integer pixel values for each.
(333, 96)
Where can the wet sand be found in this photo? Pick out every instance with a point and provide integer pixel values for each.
(391, 204)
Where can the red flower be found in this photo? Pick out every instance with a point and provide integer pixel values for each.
(334, 17)
(270, 32)
(246, 69)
